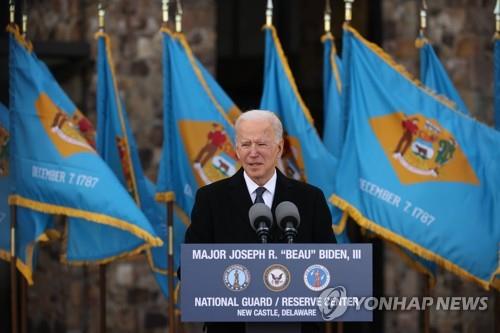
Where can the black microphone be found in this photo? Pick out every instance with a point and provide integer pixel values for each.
(287, 215)
(261, 220)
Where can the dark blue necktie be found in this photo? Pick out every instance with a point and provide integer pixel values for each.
(259, 191)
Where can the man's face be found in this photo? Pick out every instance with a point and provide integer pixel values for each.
(257, 149)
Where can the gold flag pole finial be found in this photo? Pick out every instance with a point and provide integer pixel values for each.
(101, 13)
(25, 25)
(12, 11)
(24, 20)
(497, 18)
(348, 10)
(164, 10)
(178, 17)
(423, 18)
(328, 17)
(269, 13)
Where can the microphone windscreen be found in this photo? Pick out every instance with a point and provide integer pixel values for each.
(259, 212)
(287, 211)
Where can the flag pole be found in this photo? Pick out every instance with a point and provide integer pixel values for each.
(327, 25)
(423, 18)
(23, 287)
(101, 12)
(170, 267)
(178, 16)
(12, 11)
(327, 17)
(426, 289)
(269, 13)
(24, 304)
(165, 12)
(13, 272)
(102, 298)
(425, 315)
(172, 323)
(13, 258)
(496, 12)
(24, 24)
(347, 20)
(348, 11)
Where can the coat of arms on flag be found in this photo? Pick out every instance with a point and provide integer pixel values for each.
(62, 132)
(210, 150)
(292, 162)
(421, 150)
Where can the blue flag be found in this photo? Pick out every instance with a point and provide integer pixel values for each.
(119, 149)
(304, 155)
(198, 133)
(34, 226)
(420, 174)
(335, 121)
(497, 82)
(230, 109)
(433, 75)
(334, 132)
(55, 170)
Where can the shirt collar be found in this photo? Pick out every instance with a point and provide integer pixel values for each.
(252, 186)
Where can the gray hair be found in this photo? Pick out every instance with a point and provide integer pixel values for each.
(263, 114)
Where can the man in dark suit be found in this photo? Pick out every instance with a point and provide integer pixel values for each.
(220, 212)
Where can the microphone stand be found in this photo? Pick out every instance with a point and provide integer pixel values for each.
(262, 232)
(290, 232)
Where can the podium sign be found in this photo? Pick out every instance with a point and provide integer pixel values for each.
(276, 282)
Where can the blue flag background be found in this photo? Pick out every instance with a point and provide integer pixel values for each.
(434, 75)
(414, 162)
(497, 82)
(335, 122)
(226, 103)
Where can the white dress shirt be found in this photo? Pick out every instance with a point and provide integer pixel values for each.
(268, 194)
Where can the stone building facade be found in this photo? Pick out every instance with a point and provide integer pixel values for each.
(65, 299)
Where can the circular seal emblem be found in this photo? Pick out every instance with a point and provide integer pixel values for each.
(236, 277)
(316, 277)
(276, 277)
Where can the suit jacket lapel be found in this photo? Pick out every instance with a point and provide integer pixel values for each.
(281, 193)
(239, 195)
(282, 190)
